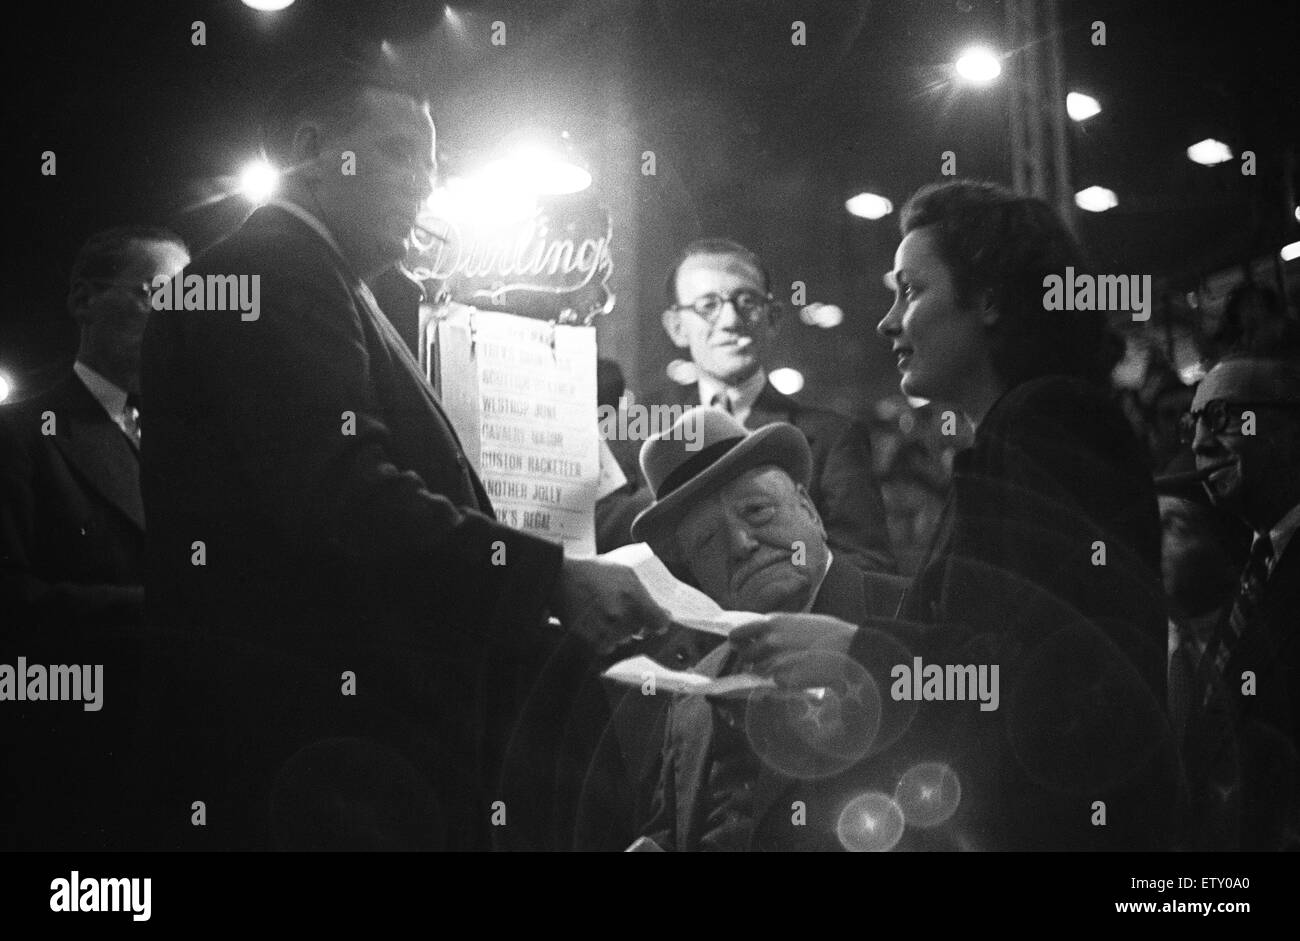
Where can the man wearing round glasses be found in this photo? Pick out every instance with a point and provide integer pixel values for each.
(721, 309)
(1242, 738)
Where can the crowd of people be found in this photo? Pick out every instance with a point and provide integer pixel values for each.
(316, 634)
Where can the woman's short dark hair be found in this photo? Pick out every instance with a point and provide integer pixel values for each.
(1001, 246)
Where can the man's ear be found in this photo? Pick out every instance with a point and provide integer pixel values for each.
(676, 330)
(308, 139)
(775, 318)
(79, 297)
(988, 307)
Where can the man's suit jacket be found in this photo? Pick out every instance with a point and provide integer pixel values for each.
(72, 545)
(71, 517)
(1245, 771)
(307, 494)
(843, 486)
(1047, 563)
(677, 816)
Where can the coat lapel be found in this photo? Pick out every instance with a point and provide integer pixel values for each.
(693, 730)
(98, 449)
(771, 406)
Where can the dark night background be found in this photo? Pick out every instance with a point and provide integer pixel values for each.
(754, 138)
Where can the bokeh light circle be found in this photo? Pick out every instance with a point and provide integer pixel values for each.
(815, 733)
(928, 794)
(870, 823)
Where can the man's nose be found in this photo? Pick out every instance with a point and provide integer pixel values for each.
(729, 318)
(740, 540)
(890, 325)
(1205, 441)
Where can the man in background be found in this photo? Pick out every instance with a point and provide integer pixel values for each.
(72, 523)
(1244, 727)
(72, 544)
(721, 310)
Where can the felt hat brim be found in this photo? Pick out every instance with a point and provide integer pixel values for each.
(779, 443)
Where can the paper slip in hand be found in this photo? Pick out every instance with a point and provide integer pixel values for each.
(636, 671)
(688, 606)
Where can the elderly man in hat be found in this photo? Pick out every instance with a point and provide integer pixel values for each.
(732, 516)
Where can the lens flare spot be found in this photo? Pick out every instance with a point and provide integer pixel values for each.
(819, 731)
(928, 794)
(870, 823)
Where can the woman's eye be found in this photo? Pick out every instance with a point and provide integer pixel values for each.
(760, 514)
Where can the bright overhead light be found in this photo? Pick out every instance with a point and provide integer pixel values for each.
(5, 387)
(1096, 199)
(258, 181)
(869, 206)
(1081, 107)
(267, 6)
(1291, 252)
(536, 170)
(1297, 213)
(786, 380)
(1209, 152)
(825, 316)
(978, 65)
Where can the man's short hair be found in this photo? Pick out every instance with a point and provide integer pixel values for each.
(714, 246)
(1285, 383)
(106, 253)
(329, 92)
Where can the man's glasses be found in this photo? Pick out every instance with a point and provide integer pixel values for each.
(750, 305)
(140, 290)
(1221, 416)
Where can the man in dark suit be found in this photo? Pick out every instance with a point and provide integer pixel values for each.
(72, 521)
(1244, 730)
(733, 516)
(305, 489)
(721, 310)
(72, 542)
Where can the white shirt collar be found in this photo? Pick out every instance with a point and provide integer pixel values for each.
(1282, 531)
(812, 599)
(106, 393)
(742, 396)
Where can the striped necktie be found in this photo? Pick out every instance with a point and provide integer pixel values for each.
(1249, 594)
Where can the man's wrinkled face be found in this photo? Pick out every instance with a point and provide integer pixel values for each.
(1250, 465)
(731, 349)
(372, 211)
(757, 544)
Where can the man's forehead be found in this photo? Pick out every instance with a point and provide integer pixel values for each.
(767, 480)
(698, 267)
(1245, 380)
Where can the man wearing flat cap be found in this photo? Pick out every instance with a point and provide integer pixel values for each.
(733, 517)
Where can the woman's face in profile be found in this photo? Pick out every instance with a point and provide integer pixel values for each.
(939, 344)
